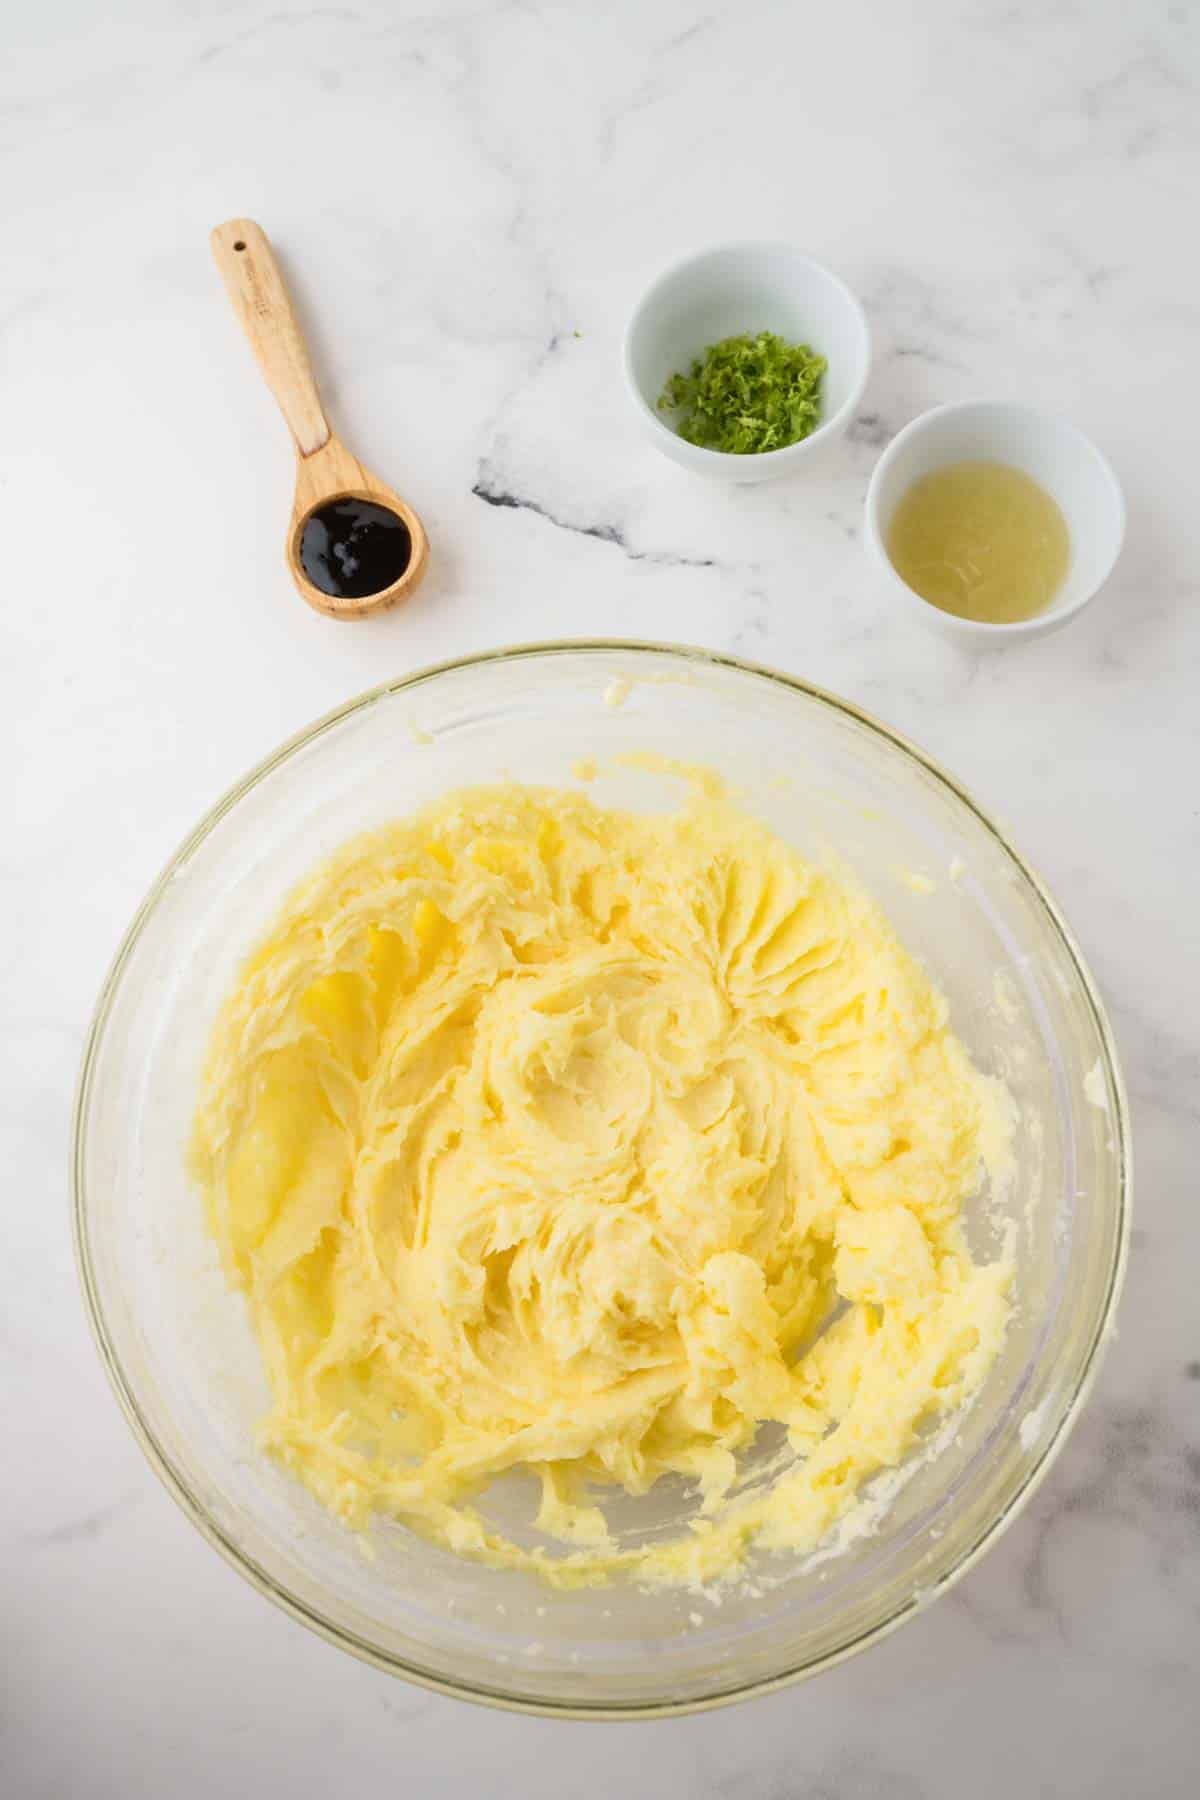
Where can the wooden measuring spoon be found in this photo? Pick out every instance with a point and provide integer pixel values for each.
(335, 546)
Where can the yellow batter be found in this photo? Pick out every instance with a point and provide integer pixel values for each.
(547, 1137)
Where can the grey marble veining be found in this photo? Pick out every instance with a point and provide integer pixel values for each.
(469, 197)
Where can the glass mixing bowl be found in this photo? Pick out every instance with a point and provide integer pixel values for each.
(176, 1342)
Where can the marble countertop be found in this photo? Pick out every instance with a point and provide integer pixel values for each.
(469, 198)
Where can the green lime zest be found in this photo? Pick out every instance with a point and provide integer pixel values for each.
(747, 394)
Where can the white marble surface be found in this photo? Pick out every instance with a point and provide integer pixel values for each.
(469, 198)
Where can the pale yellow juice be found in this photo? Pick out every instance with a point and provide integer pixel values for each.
(981, 540)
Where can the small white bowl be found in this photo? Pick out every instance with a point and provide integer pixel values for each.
(1067, 464)
(722, 293)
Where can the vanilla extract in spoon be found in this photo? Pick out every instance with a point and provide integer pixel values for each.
(350, 548)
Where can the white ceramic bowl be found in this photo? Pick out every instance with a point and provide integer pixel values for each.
(1056, 454)
(724, 292)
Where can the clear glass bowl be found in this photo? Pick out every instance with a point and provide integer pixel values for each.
(176, 1342)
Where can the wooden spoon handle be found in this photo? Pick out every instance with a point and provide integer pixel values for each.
(255, 285)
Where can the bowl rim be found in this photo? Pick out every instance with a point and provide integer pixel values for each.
(724, 462)
(174, 1480)
(985, 630)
